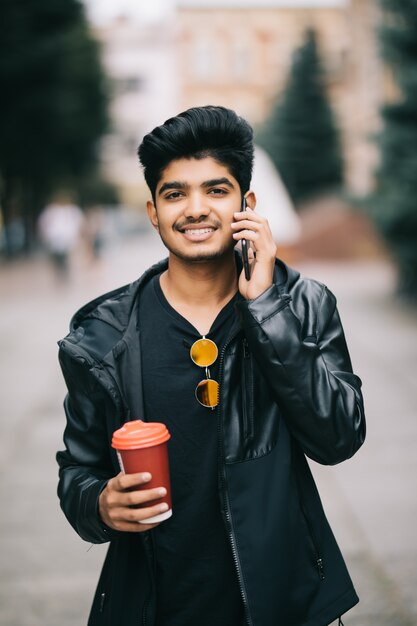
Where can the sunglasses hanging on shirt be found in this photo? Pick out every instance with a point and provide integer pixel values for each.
(204, 353)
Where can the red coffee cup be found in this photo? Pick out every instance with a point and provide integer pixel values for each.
(142, 447)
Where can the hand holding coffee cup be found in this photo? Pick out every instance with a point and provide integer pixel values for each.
(118, 503)
(139, 497)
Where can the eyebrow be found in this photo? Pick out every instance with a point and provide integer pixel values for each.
(174, 184)
(177, 184)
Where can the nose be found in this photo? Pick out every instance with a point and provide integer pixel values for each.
(196, 206)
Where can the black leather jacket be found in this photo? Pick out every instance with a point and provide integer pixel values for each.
(287, 390)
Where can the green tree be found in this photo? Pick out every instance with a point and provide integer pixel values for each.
(393, 205)
(53, 105)
(300, 135)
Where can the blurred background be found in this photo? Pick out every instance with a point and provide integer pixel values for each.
(330, 87)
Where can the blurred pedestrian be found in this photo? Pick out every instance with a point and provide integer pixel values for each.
(95, 232)
(60, 225)
(248, 541)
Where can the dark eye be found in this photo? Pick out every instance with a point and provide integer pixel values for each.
(174, 195)
(217, 191)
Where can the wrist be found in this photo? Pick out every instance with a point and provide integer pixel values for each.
(256, 292)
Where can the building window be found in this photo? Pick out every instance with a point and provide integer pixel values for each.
(240, 61)
(203, 59)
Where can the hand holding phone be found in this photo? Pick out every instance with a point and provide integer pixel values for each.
(258, 249)
(245, 257)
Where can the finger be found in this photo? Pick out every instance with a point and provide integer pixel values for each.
(127, 481)
(151, 511)
(133, 498)
(134, 527)
(248, 224)
(251, 218)
(249, 235)
(127, 514)
(249, 215)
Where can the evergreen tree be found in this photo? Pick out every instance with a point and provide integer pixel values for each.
(53, 104)
(394, 203)
(301, 136)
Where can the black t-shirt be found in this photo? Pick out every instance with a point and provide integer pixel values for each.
(196, 579)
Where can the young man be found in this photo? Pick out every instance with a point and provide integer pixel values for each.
(248, 542)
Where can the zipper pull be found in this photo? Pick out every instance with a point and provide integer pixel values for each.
(320, 567)
(102, 599)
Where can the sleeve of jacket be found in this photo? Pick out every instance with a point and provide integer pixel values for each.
(85, 465)
(311, 377)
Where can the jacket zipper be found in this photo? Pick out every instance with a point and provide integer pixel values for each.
(102, 601)
(317, 551)
(148, 542)
(225, 497)
(247, 392)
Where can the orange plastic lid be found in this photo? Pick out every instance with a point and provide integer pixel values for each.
(139, 434)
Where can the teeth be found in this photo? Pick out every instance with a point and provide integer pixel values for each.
(198, 231)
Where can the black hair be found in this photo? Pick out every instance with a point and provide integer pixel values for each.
(199, 132)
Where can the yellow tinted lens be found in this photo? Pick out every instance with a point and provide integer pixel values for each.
(204, 352)
(207, 393)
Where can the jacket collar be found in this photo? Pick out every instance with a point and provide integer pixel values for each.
(115, 307)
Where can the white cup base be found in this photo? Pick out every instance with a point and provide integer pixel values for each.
(157, 518)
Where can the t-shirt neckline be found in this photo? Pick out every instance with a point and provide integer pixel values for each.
(220, 318)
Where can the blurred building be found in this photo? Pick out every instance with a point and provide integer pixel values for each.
(139, 59)
(238, 52)
(367, 86)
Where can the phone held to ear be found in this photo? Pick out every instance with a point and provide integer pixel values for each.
(244, 243)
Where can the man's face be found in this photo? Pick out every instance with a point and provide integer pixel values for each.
(195, 201)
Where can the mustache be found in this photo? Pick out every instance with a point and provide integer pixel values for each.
(196, 222)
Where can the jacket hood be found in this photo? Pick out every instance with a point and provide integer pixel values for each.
(115, 307)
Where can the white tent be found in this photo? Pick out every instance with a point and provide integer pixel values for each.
(273, 201)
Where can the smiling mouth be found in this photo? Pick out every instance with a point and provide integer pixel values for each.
(197, 234)
(197, 231)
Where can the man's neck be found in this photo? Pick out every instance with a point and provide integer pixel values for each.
(199, 291)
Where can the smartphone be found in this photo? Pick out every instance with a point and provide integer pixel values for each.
(246, 265)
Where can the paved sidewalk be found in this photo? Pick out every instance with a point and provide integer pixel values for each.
(48, 575)
(371, 499)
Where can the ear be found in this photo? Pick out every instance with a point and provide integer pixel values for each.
(152, 214)
(250, 199)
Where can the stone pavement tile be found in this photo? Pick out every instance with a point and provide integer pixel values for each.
(376, 619)
(380, 601)
(402, 568)
(46, 601)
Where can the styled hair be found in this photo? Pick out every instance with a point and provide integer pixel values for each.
(199, 132)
